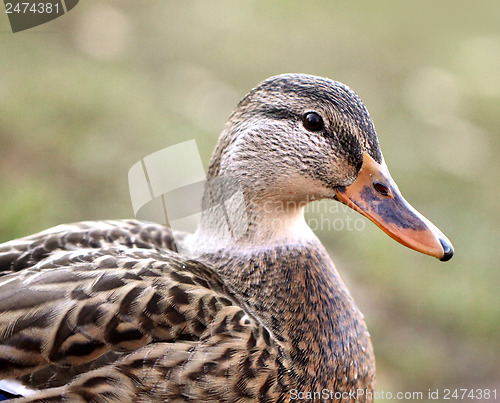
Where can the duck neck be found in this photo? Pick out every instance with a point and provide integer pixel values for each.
(296, 292)
(237, 215)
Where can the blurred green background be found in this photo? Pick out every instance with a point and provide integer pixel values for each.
(85, 96)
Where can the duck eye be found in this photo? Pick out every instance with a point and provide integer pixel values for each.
(381, 188)
(313, 122)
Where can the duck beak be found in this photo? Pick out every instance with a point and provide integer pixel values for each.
(375, 195)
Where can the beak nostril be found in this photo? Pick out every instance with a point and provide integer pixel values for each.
(381, 188)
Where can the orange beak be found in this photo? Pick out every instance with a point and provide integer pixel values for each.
(375, 195)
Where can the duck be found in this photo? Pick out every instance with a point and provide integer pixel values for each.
(249, 307)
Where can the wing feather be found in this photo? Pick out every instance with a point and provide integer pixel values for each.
(109, 311)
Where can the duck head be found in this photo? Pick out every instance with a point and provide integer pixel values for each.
(297, 138)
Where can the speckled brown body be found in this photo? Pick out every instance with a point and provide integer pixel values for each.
(276, 321)
(299, 296)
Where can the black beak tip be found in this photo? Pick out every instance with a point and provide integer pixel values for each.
(448, 250)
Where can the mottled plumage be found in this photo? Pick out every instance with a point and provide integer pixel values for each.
(98, 291)
(116, 311)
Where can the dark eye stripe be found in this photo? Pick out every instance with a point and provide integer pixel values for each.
(277, 113)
